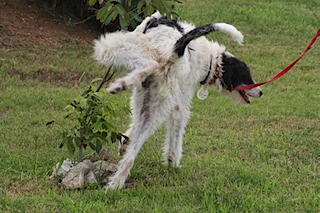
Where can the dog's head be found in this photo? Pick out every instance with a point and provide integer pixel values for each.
(235, 73)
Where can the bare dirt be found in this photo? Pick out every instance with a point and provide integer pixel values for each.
(25, 23)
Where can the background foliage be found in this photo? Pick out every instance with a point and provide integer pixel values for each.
(114, 14)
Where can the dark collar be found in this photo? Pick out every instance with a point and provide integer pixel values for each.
(215, 76)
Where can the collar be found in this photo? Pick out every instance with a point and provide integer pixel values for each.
(215, 76)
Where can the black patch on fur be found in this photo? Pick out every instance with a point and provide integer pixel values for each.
(153, 22)
(145, 110)
(182, 43)
(235, 73)
(147, 82)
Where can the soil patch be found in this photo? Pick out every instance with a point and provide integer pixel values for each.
(25, 23)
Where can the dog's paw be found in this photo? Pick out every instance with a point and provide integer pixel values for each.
(174, 163)
(116, 87)
(114, 184)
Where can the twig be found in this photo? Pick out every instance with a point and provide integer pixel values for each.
(81, 77)
(105, 79)
(84, 20)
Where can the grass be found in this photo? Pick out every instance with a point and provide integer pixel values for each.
(261, 158)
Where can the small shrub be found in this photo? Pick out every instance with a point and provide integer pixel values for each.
(92, 115)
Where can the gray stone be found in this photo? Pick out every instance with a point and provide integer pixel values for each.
(75, 178)
(90, 177)
(88, 163)
(103, 169)
(65, 167)
(60, 171)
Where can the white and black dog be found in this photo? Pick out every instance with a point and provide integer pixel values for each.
(165, 60)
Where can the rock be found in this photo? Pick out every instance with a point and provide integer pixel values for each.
(103, 169)
(59, 172)
(65, 168)
(90, 177)
(88, 163)
(75, 178)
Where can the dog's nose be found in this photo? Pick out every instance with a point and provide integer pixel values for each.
(260, 94)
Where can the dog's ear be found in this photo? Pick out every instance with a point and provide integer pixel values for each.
(227, 73)
(235, 72)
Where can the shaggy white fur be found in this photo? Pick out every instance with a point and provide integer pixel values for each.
(163, 82)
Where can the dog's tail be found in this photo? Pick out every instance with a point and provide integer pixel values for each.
(182, 43)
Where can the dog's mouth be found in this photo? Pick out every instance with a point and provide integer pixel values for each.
(254, 93)
(244, 96)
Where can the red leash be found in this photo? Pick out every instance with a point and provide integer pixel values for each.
(285, 70)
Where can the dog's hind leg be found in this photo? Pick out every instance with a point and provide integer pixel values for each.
(137, 76)
(176, 124)
(125, 165)
(146, 120)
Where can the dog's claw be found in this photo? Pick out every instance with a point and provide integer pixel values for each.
(116, 87)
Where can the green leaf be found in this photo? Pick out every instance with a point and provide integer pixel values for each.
(136, 17)
(83, 103)
(113, 137)
(92, 2)
(92, 146)
(95, 80)
(104, 135)
(120, 10)
(108, 125)
(102, 12)
(97, 126)
(149, 10)
(133, 24)
(69, 107)
(108, 19)
(128, 3)
(70, 145)
(123, 22)
(115, 15)
(98, 146)
(139, 6)
(119, 136)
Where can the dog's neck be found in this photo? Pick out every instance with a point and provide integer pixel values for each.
(212, 75)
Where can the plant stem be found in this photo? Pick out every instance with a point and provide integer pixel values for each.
(80, 153)
(104, 80)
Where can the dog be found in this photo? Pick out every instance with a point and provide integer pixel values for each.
(165, 60)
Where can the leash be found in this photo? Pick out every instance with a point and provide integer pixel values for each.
(285, 70)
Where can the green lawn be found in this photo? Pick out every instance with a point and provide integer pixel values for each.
(260, 158)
